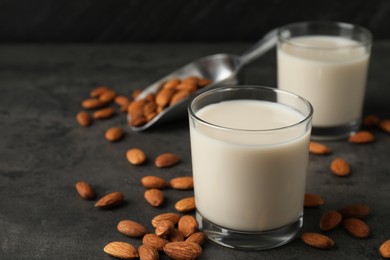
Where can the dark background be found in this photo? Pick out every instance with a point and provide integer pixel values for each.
(117, 21)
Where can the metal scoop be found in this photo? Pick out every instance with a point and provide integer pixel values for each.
(219, 68)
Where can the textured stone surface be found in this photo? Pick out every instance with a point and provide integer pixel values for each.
(44, 153)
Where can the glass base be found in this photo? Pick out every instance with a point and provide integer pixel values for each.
(336, 132)
(249, 240)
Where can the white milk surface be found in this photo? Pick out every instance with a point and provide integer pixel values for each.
(332, 79)
(239, 183)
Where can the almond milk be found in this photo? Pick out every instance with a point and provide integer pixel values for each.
(249, 180)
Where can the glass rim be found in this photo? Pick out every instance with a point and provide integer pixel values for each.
(237, 87)
(348, 26)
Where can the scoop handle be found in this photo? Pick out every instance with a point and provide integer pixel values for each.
(259, 48)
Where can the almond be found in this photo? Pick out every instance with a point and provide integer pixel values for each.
(154, 197)
(318, 148)
(121, 250)
(136, 93)
(175, 236)
(330, 220)
(173, 217)
(104, 113)
(385, 125)
(154, 182)
(85, 190)
(204, 82)
(147, 252)
(96, 92)
(371, 120)
(92, 103)
(361, 137)
(182, 250)
(182, 183)
(83, 118)
(136, 108)
(384, 249)
(191, 80)
(171, 84)
(189, 88)
(107, 96)
(122, 101)
(317, 240)
(313, 200)
(340, 167)
(114, 134)
(131, 228)
(110, 200)
(138, 121)
(164, 96)
(356, 227)
(150, 116)
(355, 211)
(186, 204)
(187, 225)
(154, 241)
(179, 96)
(164, 228)
(166, 160)
(198, 237)
(136, 156)
(149, 108)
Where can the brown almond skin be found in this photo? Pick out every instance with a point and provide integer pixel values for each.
(121, 250)
(361, 137)
(318, 148)
(147, 252)
(166, 160)
(173, 217)
(385, 125)
(187, 225)
(83, 118)
(182, 250)
(317, 240)
(92, 103)
(355, 211)
(197, 237)
(189, 88)
(136, 108)
(154, 182)
(107, 96)
(136, 156)
(154, 197)
(204, 82)
(186, 204)
(179, 96)
(182, 183)
(104, 113)
(96, 92)
(122, 101)
(85, 190)
(384, 249)
(131, 228)
(191, 80)
(110, 200)
(164, 96)
(172, 83)
(114, 134)
(176, 236)
(340, 167)
(356, 227)
(313, 200)
(371, 120)
(164, 228)
(154, 241)
(330, 219)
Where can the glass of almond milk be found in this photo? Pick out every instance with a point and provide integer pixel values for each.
(326, 63)
(249, 148)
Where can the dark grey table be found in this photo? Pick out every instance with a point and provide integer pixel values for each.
(44, 153)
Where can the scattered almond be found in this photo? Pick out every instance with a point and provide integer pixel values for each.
(173, 217)
(330, 220)
(318, 148)
(166, 160)
(186, 204)
(175, 236)
(136, 156)
(98, 91)
(122, 101)
(154, 241)
(340, 167)
(317, 240)
(187, 225)
(114, 134)
(147, 252)
(182, 250)
(371, 120)
(110, 200)
(121, 250)
(85, 190)
(107, 96)
(356, 227)
(154, 197)
(154, 182)
(355, 211)
(104, 113)
(164, 228)
(197, 237)
(182, 183)
(385, 125)
(92, 103)
(131, 228)
(361, 137)
(384, 249)
(313, 200)
(83, 118)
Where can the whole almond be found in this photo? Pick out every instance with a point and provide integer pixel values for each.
(356, 227)
(154, 197)
(154, 241)
(138, 121)
(175, 236)
(197, 237)
(92, 103)
(187, 225)
(166, 160)
(313, 200)
(151, 116)
(96, 92)
(104, 113)
(107, 96)
(179, 96)
(340, 167)
(149, 108)
(114, 134)
(182, 250)
(318, 148)
(131, 228)
(85, 190)
(122, 101)
(173, 217)
(317, 240)
(172, 83)
(136, 108)
(110, 200)
(371, 120)
(147, 252)
(186, 204)
(191, 80)
(154, 182)
(204, 82)
(187, 87)
(361, 137)
(330, 219)
(121, 250)
(384, 249)
(83, 118)
(164, 96)
(385, 125)
(136, 156)
(182, 183)
(164, 228)
(355, 211)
